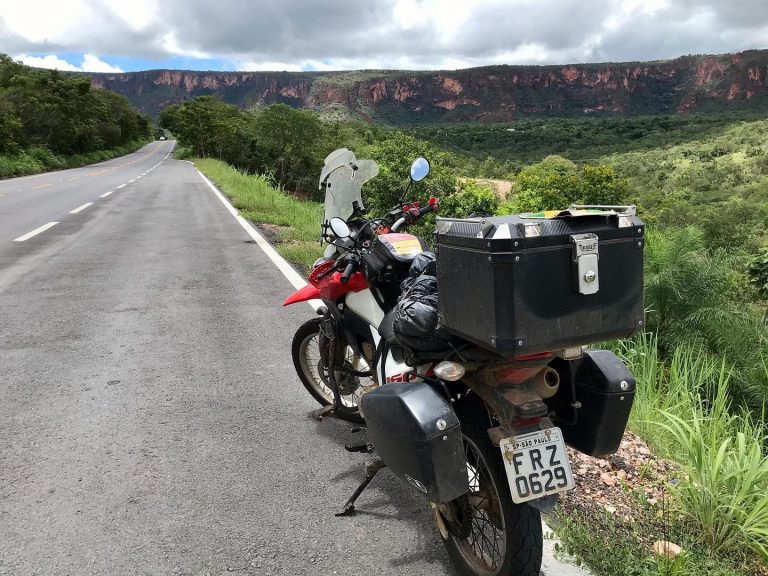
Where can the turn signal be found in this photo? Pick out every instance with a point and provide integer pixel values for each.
(450, 371)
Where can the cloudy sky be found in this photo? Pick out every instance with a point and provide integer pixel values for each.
(127, 35)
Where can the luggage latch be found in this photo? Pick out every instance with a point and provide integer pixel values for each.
(585, 257)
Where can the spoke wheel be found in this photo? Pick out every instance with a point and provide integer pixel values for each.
(313, 372)
(503, 538)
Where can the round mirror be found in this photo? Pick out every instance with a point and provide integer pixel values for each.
(339, 227)
(419, 169)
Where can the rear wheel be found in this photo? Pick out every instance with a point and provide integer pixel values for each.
(313, 371)
(496, 537)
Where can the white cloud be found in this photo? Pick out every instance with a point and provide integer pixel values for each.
(348, 34)
(50, 61)
(90, 63)
(171, 45)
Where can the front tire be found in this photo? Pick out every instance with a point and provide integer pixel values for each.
(312, 371)
(505, 539)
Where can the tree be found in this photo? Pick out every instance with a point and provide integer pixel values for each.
(555, 183)
(291, 144)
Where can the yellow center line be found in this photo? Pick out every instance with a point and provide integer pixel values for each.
(150, 153)
(75, 178)
(42, 186)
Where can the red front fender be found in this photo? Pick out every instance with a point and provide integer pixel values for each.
(308, 292)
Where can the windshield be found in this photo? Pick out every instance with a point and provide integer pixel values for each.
(343, 176)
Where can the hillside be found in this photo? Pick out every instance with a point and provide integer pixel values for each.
(489, 94)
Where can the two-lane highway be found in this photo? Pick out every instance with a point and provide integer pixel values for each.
(150, 419)
(30, 202)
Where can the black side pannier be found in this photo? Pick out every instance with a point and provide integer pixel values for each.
(523, 284)
(418, 435)
(604, 391)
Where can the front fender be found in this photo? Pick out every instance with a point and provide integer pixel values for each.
(308, 292)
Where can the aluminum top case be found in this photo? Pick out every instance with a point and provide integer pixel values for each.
(542, 282)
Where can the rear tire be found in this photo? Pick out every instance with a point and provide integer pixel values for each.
(505, 538)
(305, 350)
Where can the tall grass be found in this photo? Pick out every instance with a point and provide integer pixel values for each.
(683, 409)
(689, 294)
(297, 221)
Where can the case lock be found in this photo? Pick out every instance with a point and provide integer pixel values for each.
(585, 260)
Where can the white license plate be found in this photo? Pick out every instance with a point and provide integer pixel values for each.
(537, 464)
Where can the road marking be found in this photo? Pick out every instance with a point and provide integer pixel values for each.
(75, 178)
(81, 208)
(121, 186)
(137, 178)
(288, 271)
(131, 181)
(105, 194)
(42, 186)
(35, 232)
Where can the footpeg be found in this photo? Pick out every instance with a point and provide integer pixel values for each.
(359, 442)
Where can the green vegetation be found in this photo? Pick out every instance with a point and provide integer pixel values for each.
(285, 144)
(530, 140)
(50, 120)
(556, 183)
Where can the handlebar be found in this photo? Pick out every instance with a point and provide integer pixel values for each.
(348, 271)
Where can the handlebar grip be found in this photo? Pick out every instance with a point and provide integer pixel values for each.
(348, 271)
(396, 226)
(424, 209)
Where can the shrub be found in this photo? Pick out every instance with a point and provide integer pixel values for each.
(757, 271)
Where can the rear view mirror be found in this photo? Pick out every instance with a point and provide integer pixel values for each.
(339, 228)
(419, 169)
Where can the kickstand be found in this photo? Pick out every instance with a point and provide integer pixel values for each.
(323, 412)
(371, 469)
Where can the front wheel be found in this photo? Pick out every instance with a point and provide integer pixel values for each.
(313, 371)
(498, 537)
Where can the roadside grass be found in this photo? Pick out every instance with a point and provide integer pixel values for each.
(294, 225)
(38, 159)
(614, 548)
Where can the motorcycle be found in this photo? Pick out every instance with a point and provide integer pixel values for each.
(469, 428)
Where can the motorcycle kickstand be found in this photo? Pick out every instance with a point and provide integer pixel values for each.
(372, 467)
(323, 412)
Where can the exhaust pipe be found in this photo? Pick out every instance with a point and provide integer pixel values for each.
(546, 383)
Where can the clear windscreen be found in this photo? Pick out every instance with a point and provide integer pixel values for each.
(343, 176)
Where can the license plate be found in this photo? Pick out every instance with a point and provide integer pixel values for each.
(537, 464)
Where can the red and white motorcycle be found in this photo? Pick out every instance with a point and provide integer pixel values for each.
(468, 429)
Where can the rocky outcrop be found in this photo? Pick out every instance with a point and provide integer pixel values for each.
(496, 93)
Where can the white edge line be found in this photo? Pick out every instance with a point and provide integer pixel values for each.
(293, 277)
(81, 208)
(35, 232)
(121, 186)
(105, 194)
(130, 181)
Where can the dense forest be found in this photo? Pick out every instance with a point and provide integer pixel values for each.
(53, 120)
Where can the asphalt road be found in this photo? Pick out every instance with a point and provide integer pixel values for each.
(150, 419)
